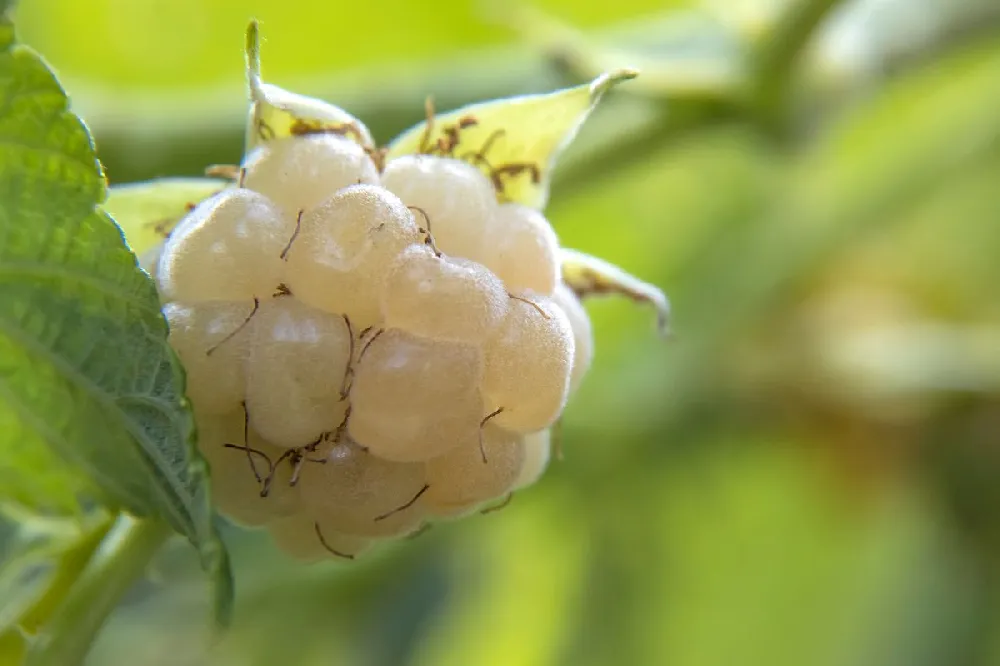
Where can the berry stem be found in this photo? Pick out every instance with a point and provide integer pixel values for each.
(118, 563)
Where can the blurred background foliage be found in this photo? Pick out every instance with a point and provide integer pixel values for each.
(809, 473)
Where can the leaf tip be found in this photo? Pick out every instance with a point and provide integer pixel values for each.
(663, 320)
(609, 80)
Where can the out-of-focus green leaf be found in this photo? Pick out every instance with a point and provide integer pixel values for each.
(148, 211)
(126, 46)
(906, 140)
(488, 621)
(86, 370)
(181, 130)
(13, 647)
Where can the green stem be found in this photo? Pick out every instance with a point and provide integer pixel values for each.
(73, 628)
(67, 572)
(778, 56)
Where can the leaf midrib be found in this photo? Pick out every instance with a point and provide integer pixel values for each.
(108, 402)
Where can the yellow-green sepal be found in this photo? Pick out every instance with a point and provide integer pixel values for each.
(515, 141)
(587, 276)
(277, 113)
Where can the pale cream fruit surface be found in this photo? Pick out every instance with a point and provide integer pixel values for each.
(298, 537)
(295, 371)
(537, 453)
(212, 340)
(299, 173)
(443, 298)
(359, 493)
(343, 249)
(150, 260)
(227, 249)
(414, 398)
(583, 333)
(528, 364)
(463, 477)
(452, 511)
(456, 197)
(403, 520)
(236, 491)
(522, 249)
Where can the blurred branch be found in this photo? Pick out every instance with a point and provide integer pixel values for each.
(975, 23)
(682, 55)
(778, 55)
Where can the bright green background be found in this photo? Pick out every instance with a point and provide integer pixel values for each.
(807, 474)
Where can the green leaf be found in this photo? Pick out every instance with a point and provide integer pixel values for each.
(87, 380)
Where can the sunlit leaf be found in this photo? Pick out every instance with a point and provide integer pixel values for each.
(85, 368)
(515, 141)
(148, 212)
(590, 276)
(276, 113)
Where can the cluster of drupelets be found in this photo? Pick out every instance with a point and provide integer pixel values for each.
(368, 349)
